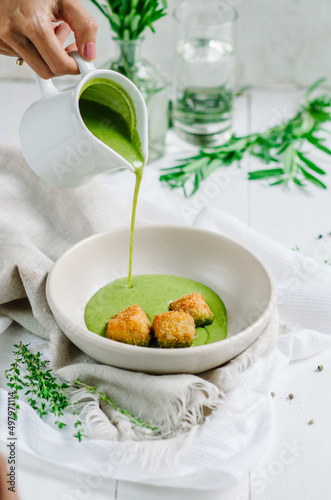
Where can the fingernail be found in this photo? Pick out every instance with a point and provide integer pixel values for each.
(90, 50)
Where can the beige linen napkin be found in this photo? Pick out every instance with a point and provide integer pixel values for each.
(38, 222)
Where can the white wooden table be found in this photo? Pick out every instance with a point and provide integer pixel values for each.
(297, 464)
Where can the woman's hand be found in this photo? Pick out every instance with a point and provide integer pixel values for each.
(26, 31)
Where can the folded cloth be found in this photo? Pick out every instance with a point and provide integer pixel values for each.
(51, 220)
(38, 222)
(4, 323)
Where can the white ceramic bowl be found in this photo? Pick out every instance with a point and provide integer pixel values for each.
(240, 279)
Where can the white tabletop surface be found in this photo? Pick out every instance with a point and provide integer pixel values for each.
(297, 463)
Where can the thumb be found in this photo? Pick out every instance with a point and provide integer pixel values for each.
(83, 25)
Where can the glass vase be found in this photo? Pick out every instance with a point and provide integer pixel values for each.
(152, 86)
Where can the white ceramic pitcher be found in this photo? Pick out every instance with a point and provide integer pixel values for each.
(56, 142)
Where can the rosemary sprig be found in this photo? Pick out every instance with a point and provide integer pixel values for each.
(46, 393)
(129, 18)
(283, 146)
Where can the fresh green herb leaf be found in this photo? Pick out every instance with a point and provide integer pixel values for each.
(107, 400)
(128, 19)
(262, 174)
(315, 85)
(312, 179)
(316, 142)
(310, 164)
(283, 144)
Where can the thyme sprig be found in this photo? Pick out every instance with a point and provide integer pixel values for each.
(283, 146)
(107, 400)
(129, 18)
(46, 394)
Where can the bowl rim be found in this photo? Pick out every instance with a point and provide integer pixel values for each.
(93, 338)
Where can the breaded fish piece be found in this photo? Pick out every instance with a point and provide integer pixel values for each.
(173, 329)
(130, 326)
(195, 305)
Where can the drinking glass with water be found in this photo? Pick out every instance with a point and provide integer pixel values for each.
(204, 71)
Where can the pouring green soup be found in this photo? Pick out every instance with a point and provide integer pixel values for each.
(109, 114)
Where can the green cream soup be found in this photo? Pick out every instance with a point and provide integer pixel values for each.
(109, 114)
(153, 293)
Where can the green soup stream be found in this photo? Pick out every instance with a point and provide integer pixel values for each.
(108, 112)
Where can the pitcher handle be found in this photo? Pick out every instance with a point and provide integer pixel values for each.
(47, 87)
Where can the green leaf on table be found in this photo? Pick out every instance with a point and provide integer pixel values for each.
(298, 182)
(315, 85)
(305, 126)
(281, 144)
(264, 174)
(316, 142)
(310, 164)
(312, 179)
(276, 183)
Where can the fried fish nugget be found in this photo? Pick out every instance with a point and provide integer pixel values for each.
(130, 326)
(195, 305)
(173, 329)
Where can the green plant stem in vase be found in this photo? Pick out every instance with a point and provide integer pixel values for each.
(152, 86)
(128, 20)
